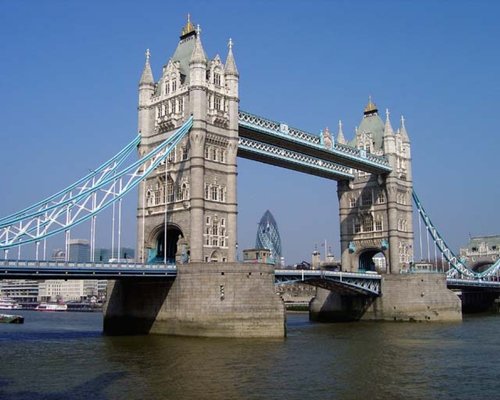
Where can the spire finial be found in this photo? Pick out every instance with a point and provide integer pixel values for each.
(370, 108)
(188, 28)
(198, 30)
(388, 127)
(402, 121)
(340, 134)
(230, 63)
(148, 55)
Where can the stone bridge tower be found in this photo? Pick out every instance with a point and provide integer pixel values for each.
(376, 211)
(190, 201)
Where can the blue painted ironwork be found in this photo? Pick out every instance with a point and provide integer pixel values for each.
(82, 184)
(68, 209)
(74, 270)
(367, 284)
(477, 283)
(458, 266)
(293, 160)
(288, 136)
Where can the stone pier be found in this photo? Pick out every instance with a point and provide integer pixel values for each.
(405, 297)
(212, 300)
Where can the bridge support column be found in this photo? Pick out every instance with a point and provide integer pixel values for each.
(405, 297)
(216, 300)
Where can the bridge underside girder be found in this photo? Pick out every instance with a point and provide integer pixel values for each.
(350, 286)
(273, 155)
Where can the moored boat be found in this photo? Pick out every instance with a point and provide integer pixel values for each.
(11, 319)
(51, 307)
(7, 303)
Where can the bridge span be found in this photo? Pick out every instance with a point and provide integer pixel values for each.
(346, 283)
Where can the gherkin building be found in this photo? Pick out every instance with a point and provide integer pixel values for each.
(268, 236)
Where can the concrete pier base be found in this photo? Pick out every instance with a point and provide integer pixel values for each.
(415, 297)
(212, 300)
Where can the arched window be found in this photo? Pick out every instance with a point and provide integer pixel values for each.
(357, 225)
(367, 197)
(217, 78)
(218, 103)
(170, 189)
(378, 223)
(214, 191)
(368, 223)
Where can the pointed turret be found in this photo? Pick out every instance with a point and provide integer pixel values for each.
(146, 90)
(230, 63)
(389, 140)
(198, 55)
(340, 135)
(404, 133)
(388, 131)
(147, 73)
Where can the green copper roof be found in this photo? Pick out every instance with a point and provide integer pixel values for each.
(183, 53)
(372, 123)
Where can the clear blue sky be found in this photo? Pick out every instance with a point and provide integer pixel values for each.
(68, 97)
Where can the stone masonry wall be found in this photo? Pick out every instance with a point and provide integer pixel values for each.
(216, 299)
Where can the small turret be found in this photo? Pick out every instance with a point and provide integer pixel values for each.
(147, 78)
(230, 63)
(340, 135)
(388, 127)
(198, 56)
(389, 138)
(146, 90)
(403, 132)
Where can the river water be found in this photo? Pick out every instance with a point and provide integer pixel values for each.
(65, 356)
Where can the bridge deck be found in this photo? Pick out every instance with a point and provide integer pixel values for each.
(72, 270)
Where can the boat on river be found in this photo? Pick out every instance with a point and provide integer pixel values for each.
(51, 307)
(6, 303)
(11, 319)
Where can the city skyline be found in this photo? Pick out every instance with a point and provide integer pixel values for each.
(79, 76)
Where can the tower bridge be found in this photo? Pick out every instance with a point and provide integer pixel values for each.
(191, 132)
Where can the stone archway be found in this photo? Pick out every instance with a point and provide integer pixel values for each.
(372, 260)
(166, 248)
(215, 256)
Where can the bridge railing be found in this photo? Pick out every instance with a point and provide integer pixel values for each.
(283, 130)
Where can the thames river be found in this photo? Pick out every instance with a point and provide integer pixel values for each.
(65, 356)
